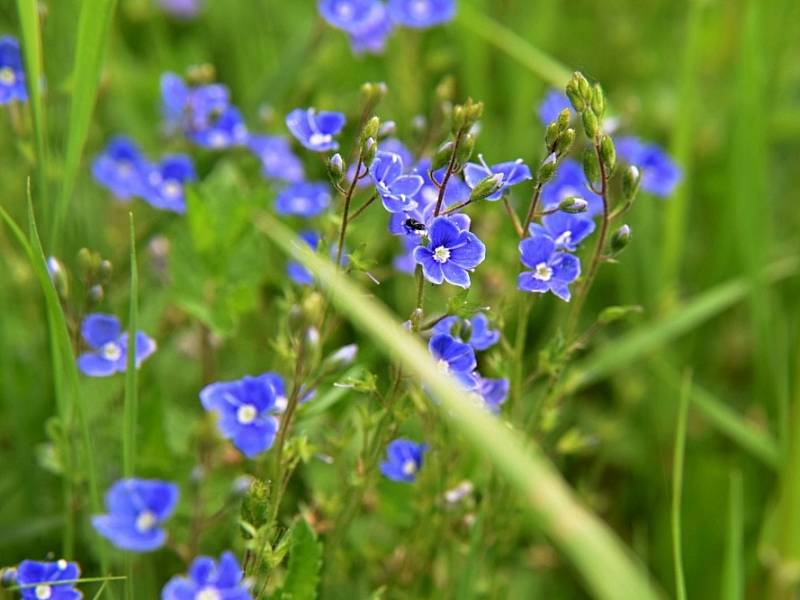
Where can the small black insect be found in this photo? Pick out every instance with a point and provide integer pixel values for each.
(414, 226)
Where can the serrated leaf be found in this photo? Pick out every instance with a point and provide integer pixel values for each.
(305, 560)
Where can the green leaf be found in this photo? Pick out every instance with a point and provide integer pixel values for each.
(305, 560)
(131, 406)
(595, 551)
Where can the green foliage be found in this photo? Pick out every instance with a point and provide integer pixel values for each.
(305, 560)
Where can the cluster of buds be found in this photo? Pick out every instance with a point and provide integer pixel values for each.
(558, 139)
(95, 273)
(590, 103)
(368, 140)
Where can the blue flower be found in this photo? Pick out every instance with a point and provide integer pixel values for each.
(165, 183)
(454, 358)
(351, 16)
(246, 411)
(122, 168)
(372, 35)
(403, 460)
(450, 254)
(277, 159)
(395, 189)
(12, 73)
(567, 230)
(421, 13)
(554, 102)
(136, 510)
(39, 580)
(297, 272)
(209, 580)
(315, 130)
(660, 174)
(225, 130)
(569, 180)
(513, 172)
(181, 9)
(481, 337)
(103, 333)
(304, 199)
(456, 193)
(552, 271)
(493, 392)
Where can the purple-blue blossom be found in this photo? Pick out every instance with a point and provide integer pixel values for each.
(315, 130)
(297, 272)
(277, 159)
(208, 579)
(455, 193)
(403, 460)
(12, 73)
(166, 182)
(553, 103)
(394, 189)
(109, 346)
(454, 358)
(246, 410)
(181, 9)
(570, 180)
(451, 253)
(513, 172)
(137, 509)
(660, 174)
(122, 168)
(493, 392)
(567, 230)
(480, 335)
(303, 199)
(351, 16)
(551, 270)
(421, 14)
(40, 580)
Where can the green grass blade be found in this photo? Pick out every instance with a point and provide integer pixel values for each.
(677, 487)
(529, 56)
(131, 408)
(600, 557)
(733, 566)
(93, 28)
(28, 11)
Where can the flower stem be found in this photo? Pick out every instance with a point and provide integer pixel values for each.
(537, 193)
(362, 208)
(450, 168)
(347, 199)
(514, 218)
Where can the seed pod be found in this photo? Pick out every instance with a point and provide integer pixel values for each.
(442, 156)
(590, 123)
(563, 119)
(573, 205)
(598, 102)
(465, 149)
(486, 187)
(608, 153)
(590, 166)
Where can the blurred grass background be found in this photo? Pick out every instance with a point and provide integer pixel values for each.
(718, 83)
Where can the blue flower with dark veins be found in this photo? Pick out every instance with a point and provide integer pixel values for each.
(395, 146)
(567, 230)
(12, 73)
(137, 509)
(165, 183)
(277, 159)
(475, 331)
(315, 130)
(395, 189)
(403, 460)
(454, 358)
(351, 16)
(122, 168)
(303, 199)
(513, 172)
(41, 580)
(493, 392)
(246, 410)
(421, 14)
(109, 346)
(660, 174)
(455, 193)
(297, 272)
(551, 270)
(450, 254)
(569, 180)
(554, 102)
(209, 580)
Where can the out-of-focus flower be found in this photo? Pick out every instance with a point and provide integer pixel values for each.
(277, 159)
(122, 168)
(40, 580)
(403, 460)
(315, 130)
(303, 199)
(481, 337)
(421, 14)
(209, 580)
(109, 346)
(660, 174)
(12, 73)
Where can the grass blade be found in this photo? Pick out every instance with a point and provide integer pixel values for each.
(93, 28)
(131, 408)
(513, 45)
(733, 567)
(600, 557)
(677, 487)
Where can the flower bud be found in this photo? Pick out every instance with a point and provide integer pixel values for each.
(313, 305)
(96, 294)
(575, 97)
(598, 102)
(590, 123)
(608, 153)
(372, 93)
(590, 167)
(486, 187)
(630, 182)
(564, 141)
(465, 149)
(563, 119)
(548, 168)
(617, 313)
(388, 128)
(370, 129)
(58, 276)
(573, 205)
(442, 156)
(551, 134)
(620, 239)
(446, 89)
(368, 151)
(254, 504)
(85, 261)
(200, 74)
(343, 357)
(584, 88)
(104, 271)
(336, 167)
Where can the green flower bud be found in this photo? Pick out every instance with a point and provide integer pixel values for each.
(254, 510)
(336, 168)
(608, 153)
(620, 238)
(313, 306)
(564, 141)
(368, 151)
(584, 88)
(551, 134)
(575, 97)
(590, 166)
(547, 169)
(373, 93)
(442, 156)
(573, 205)
(630, 182)
(104, 271)
(96, 294)
(598, 101)
(85, 263)
(387, 129)
(486, 187)
(370, 129)
(200, 74)
(58, 276)
(446, 89)
(590, 123)
(563, 119)
(459, 118)
(465, 149)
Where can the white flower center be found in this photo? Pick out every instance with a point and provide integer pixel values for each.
(441, 254)
(302, 204)
(409, 467)
(543, 272)
(429, 194)
(218, 139)
(145, 521)
(246, 414)
(420, 8)
(62, 564)
(208, 593)
(111, 351)
(124, 168)
(316, 139)
(7, 76)
(564, 239)
(344, 10)
(154, 178)
(171, 188)
(281, 402)
(443, 366)
(43, 592)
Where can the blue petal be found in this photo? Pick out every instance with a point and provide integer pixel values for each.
(99, 329)
(94, 365)
(535, 250)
